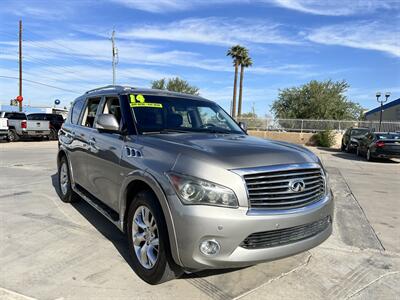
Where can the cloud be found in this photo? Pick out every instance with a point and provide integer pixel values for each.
(362, 35)
(165, 6)
(335, 7)
(213, 31)
(316, 7)
(41, 10)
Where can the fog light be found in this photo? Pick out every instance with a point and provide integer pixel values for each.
(210, 247)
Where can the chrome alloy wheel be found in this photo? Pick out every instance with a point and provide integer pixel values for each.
(64, 180)
(145, 237)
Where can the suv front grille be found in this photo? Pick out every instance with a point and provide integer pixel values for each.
(285, 236)
(272, 190)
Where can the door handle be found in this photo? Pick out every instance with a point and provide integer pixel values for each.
(92, 141)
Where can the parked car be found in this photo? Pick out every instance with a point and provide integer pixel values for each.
(380, 145)
(3, 126)
(55, 120)
(351, 138)
(187, 185)
(20, 127)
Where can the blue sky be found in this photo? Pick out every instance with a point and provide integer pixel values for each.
(66, 45)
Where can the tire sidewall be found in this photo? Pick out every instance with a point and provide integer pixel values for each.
(68, 196)
(153, 275)
(368, 155)
(12, 136)
(53, 134)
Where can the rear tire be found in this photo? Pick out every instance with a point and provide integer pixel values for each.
(358, 151)
(53, 134)
(148, 240)
(342, 147)
(67, 195)
(13, 136)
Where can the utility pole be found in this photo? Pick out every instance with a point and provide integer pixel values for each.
(20, 65)
(114, 55)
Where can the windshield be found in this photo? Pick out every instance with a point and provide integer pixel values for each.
(359, 131)
(162, 114)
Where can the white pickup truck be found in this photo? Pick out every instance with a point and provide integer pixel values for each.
(3, 126)
(20, 126)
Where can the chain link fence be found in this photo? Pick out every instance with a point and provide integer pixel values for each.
(306, 125)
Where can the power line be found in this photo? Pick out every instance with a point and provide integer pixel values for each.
(41, 83)
(69, 56)
(56, 67)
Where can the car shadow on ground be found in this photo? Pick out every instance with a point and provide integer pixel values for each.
(353, 156)
(328, 149)
(116, 237)
(100, 223)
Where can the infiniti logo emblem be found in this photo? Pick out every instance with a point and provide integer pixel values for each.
(297, 186)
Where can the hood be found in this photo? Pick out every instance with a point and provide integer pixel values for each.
(234, 150)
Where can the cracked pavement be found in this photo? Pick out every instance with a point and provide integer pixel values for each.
(52, 250)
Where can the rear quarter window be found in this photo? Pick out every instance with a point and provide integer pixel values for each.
(76, 111)
(15, 116)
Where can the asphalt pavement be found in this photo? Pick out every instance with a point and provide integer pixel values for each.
(53, 250)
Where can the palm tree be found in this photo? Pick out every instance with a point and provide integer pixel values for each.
(236, 52)
(244, 63)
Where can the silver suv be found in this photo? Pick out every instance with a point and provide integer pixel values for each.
(187, 185)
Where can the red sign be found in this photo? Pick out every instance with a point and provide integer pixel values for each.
(19, 98)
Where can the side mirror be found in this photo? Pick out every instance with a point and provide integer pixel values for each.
(243, 125)
(107, 122)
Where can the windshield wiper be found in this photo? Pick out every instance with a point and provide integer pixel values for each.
(217, 131)
(168, 130)
(165, 131)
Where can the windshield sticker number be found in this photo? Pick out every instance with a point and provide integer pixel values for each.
(140, 101)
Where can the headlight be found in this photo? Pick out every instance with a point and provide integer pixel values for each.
(198, 191)
(353, 140)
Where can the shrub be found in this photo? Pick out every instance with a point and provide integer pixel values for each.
(324, 138)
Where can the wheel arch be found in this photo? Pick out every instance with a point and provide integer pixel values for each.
(142, 180)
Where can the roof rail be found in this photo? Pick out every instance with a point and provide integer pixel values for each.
(116, 87)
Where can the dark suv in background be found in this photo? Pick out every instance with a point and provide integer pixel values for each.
(352, 137)
(55, 120)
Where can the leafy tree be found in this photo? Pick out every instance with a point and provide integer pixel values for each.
(245, 62)
(252, 120)
(237, 53)
(175, 85)
(316, 100)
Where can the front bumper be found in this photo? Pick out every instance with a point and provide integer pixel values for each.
(194, 224)
(3, 132)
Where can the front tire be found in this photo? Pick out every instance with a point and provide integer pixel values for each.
(369, 155)
(149, 246)
(67, 195)
(342, 147)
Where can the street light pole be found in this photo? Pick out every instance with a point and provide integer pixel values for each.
(378, 95)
